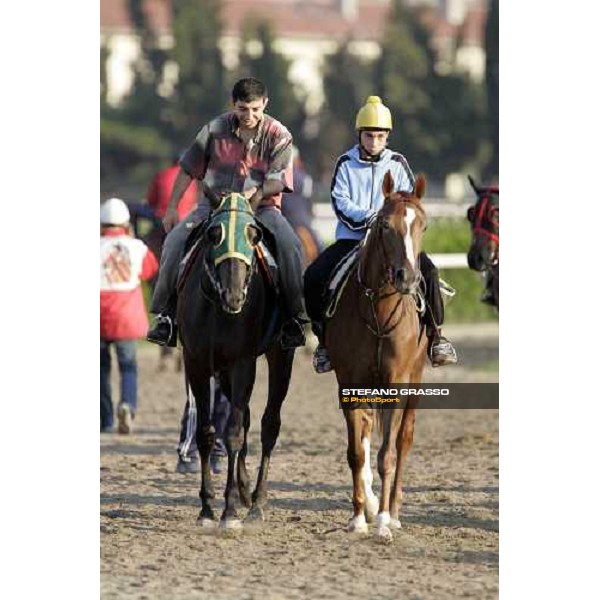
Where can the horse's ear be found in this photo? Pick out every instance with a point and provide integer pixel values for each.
(213, 199)
(420, 186)
(388, 184)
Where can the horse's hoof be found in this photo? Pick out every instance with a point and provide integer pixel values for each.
(206, 523)
(384, 534)
(371, 508)
(358, 525)
(255, 515)
(231, 525)
(395, 524)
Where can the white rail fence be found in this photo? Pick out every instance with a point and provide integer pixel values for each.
(325, 221)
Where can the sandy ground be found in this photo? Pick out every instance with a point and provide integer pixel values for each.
(448, 548)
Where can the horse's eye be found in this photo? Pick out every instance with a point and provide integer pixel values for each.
(215, 235)
(385, 224)
(470, 213)
(254, 235)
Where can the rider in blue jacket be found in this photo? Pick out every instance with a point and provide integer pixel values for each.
(357, 196)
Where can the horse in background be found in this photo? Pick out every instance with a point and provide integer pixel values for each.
(484, 252)
(228, 315)
(375, 338)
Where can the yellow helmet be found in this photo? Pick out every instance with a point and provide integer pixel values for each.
(374, 114)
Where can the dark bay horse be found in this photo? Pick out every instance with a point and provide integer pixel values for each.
(375, 338)
(484, 252)
(227, 316)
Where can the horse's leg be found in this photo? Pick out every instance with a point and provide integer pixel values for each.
(242, 472)
(199, 392)
(280, 371)
(403, 446)
(372, 501)
(385, 466)
(242, 376)
(356, 462)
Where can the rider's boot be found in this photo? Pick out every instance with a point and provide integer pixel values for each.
(164, 332)
(292, 332)
(439, 349)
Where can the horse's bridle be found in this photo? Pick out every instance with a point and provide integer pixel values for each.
(211, 270)
(374, 294)
(481, 217)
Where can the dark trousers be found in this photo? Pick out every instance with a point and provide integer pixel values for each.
(288, 254)
(187, 447)
(317, 275)
(319, 272)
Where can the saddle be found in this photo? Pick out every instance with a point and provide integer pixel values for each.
(264, 256)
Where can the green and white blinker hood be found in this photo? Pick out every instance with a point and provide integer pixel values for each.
(234, 215)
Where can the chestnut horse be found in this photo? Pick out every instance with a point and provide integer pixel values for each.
(484, 253)
(375, 338)
(228, 315)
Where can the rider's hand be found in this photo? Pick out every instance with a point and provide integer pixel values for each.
(170, 219)
(249, 193)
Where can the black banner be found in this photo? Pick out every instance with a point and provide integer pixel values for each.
(424, 395)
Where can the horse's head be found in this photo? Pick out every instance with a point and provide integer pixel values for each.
(484, 217)
(232, 234)
(397, 233)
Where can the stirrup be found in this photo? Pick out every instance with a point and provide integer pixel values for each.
(442, 352)
(164, 332)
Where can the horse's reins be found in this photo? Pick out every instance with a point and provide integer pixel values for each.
(479, 228)
(373, 295)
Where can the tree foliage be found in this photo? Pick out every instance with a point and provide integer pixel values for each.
(200, 92)
(347, 81)
(437, 118)
(260, 59)
(492, 80)
(134, 136)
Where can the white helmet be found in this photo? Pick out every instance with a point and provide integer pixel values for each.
(114, 212)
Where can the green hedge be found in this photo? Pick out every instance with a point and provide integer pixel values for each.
(446, 236)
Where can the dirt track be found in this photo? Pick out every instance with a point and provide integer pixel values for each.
(448, 547)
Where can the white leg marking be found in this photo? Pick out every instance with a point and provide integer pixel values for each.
(358, 525)
(366, 475)
(408, 243)
(383, 527)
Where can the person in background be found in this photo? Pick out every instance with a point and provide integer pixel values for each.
(124, 263)
(187, 450)
(161, 188)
